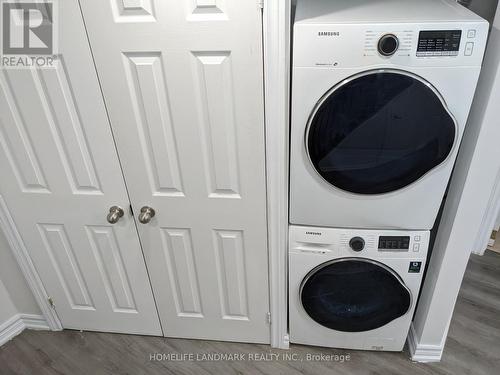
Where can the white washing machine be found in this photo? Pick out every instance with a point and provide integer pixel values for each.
(354, 289)
(381, 91)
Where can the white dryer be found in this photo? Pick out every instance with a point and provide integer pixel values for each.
(381, 91)
(354, 289)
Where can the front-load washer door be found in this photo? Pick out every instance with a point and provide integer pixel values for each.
(379, 131)
(354, 295)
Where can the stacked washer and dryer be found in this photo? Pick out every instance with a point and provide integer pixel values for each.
(381, 91)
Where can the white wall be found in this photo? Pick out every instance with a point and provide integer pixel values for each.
(485, 8)
(7, 307)
(18, 308)
(13, 283)
(8, 315)
(473, 183)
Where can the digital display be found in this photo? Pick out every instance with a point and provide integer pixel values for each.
(394, 242)
(439, 43)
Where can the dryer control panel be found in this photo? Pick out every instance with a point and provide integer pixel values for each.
(337, 46)
(439, 43)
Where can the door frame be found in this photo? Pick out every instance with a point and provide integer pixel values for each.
(276, 38)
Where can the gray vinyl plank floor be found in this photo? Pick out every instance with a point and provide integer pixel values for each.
(473, 346)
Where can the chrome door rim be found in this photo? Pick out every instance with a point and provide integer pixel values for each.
(364, 260)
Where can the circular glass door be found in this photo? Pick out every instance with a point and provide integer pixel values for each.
(354, 295)
(379, 131)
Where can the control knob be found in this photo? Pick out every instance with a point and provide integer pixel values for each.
(388, 45)
(357, 243)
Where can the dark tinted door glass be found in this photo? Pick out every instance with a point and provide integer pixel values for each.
(354, 296)
(379, 133)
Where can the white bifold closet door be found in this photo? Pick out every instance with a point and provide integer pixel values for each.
(183, 84)
(60, 174)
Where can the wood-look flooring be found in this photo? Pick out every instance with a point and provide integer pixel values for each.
(496, 244)
(473, 346)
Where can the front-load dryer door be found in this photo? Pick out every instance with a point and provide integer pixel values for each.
(379, 131)
(354, 295)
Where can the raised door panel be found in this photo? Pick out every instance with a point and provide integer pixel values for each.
(133, 10)
(17, 143)
(112, 269)
(148, 88)
(66, 266)
(183, 275)
(206, 10)
(231, 274)
(45, 97)
(214, 85)
(61, 107)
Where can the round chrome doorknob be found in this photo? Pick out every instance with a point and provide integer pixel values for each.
(115, 213)
(147, 213)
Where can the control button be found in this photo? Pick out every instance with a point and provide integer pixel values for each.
(357, 243)
(416, 247)
(388, 45)
(415, 267)
(471, 34)
(417, 238)
(469, 47)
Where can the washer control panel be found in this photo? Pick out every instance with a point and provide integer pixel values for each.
(358, 242)
(439, 42)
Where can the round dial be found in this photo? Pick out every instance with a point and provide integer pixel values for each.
(388, 45)
(357, 243)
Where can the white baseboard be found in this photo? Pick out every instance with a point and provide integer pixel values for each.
(10, 329)
(421, 352)
(36, 322)
(18, 323)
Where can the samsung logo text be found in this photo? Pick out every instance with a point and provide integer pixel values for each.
(328, 33)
